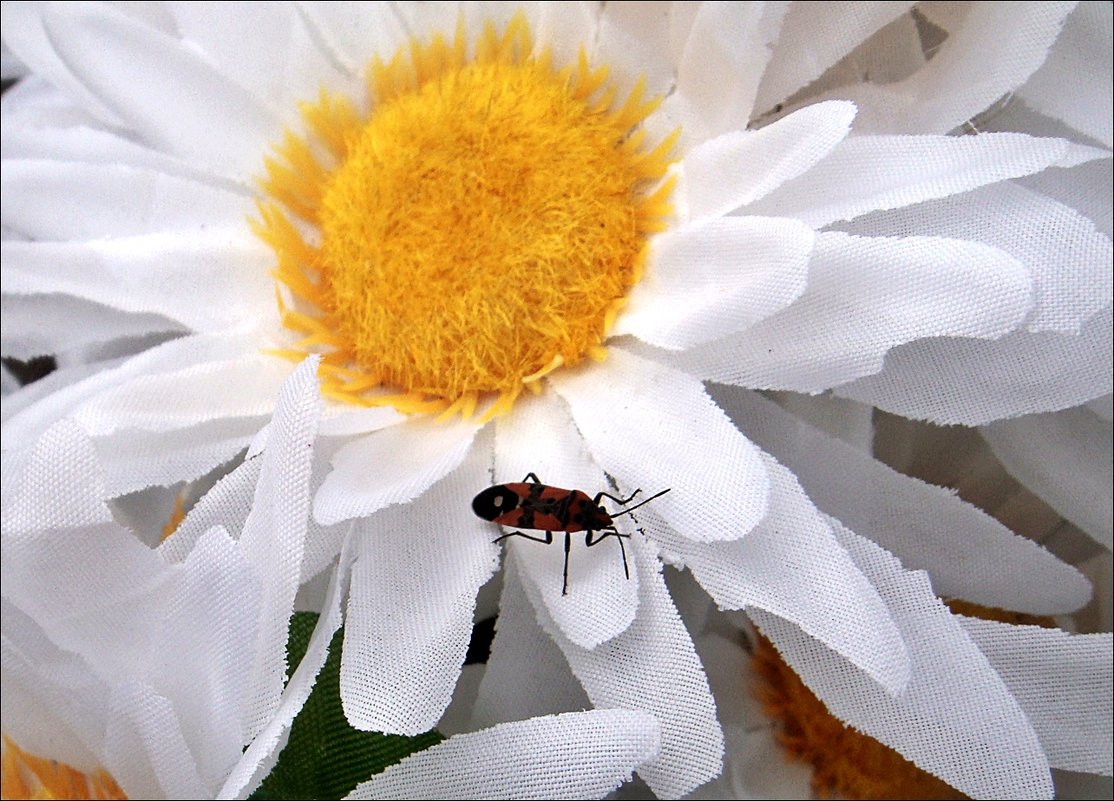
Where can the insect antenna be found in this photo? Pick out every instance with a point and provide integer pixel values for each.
(640, 503)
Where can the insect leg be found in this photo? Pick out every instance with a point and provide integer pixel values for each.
(610, 533)
(546, 540)
(618, 501)
(533, 476)
(565, 579)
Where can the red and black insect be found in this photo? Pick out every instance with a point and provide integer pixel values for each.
(534, 505)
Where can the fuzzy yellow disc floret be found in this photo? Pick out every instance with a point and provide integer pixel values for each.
(481, 227)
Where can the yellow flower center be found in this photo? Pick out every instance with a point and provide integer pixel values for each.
(480, 227)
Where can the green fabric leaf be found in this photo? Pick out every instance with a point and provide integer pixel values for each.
(325, 757)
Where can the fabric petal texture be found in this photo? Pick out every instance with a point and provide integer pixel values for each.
(309, 279)
(480, 764)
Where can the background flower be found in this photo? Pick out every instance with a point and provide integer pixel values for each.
(159, 672)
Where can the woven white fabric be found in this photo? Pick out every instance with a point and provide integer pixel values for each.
(1076, 82)
(895, 171)
(814, 38)
(26, 38)
(274, 534)
(716, 279)
(728, 48)
(33, 324)
(164, 670)
(115, 183)
(636, 396)
(1065, 458)
(349, 32)
(135, 460)
(105, 272)
(483, 764)
(652, 666)
(865, 296)
(601, 601)
(742, 167)
(393, 465)
(957, 719)
(973, 382)
(416, 571)
(259, 756)
(89, 201)
(526, 675)
(236, 41)
(1002, 44)
(30, 422)
(1061, 681)
(792, 566)
(1067, 257)
(223, 105)
(922, 525)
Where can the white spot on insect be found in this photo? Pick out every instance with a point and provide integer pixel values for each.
(498, 501)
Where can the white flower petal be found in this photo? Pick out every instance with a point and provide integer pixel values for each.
(182, 98)
(1074, 83)
(792, 566)
(973, 382)
(575, 755)
(37, 141)
(957, 719)
(273, 538)
(134, 460)
(728, 47)
(25, 35)
(1000, 44)
(1065, 458)
(631, 40)
(564, 27)
(709, 280)
(53, 703)
(741, 167)
(923, 525)
(1085, 188)
(392, 465)
(1062, 681)
(202, 641)
(415, 578)
(62, 457)
(227, 504)
(56, 381)
(145, 751)
(355, 32)
(34, 325)
(245, 776)
(872, 173)
(1067, 257)
(600, 601)
(652, 666)
(632, 412)
(208, 392)
(61, 201)
(813, 38)
(210, 281)
(266, 49)
(864, 297)
(344, 421)
(526, 674)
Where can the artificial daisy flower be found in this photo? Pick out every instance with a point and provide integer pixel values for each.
(169, 680)
(746, 283)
